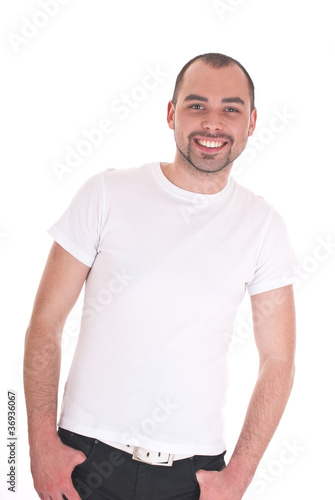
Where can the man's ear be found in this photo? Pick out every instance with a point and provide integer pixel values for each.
(170, 115)
(253, 119)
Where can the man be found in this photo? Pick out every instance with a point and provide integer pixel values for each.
(167, 251)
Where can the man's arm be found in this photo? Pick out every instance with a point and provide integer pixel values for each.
(51, 461)
(274, 329)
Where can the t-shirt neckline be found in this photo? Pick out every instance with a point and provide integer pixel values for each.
(183, 193)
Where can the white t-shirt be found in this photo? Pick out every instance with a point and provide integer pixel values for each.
(169, 269)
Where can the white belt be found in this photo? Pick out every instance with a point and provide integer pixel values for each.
(149, 456)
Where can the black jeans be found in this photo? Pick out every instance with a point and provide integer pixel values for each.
(109, 473)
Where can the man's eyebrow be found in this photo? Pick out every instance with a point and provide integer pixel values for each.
(233, 99)
(196, 97)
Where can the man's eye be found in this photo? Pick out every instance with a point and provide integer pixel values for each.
(196, 106)
(232, 110)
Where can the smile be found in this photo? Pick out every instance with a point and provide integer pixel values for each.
(210, 144)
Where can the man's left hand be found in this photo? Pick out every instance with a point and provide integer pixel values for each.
(216, 485)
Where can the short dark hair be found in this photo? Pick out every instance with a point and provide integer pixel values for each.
(215, 60)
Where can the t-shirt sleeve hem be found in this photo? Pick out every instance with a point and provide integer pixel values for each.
(270, 285)
(70, 247)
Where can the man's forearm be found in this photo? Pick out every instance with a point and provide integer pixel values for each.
(41, 378)
(265, 410)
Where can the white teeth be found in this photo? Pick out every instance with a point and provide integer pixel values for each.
(210, 144)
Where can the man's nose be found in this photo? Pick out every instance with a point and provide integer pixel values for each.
(213, 122)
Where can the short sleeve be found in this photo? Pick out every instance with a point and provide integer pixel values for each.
(276, 263)
(78, 230)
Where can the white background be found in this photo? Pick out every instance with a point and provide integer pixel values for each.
(64, 78)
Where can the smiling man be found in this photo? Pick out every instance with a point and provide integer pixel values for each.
(166, 252)
(212, 117)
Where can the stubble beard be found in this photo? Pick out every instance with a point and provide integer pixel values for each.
(201, 167)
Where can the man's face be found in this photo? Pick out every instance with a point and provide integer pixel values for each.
(212, 119)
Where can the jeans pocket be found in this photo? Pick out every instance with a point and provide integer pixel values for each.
(82, 443)
(210, 463)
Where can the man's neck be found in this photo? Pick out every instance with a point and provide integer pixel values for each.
(191, 179)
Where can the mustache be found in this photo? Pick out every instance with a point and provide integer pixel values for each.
(212, 136)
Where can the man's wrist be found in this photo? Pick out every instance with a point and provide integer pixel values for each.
(42, 432)
(241, 472)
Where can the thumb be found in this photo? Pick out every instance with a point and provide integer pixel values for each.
(204, 475)
(200, 475)
(78, 457)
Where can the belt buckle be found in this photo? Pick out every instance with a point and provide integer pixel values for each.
(167, 463)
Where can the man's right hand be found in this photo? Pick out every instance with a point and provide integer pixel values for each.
(52, 464)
